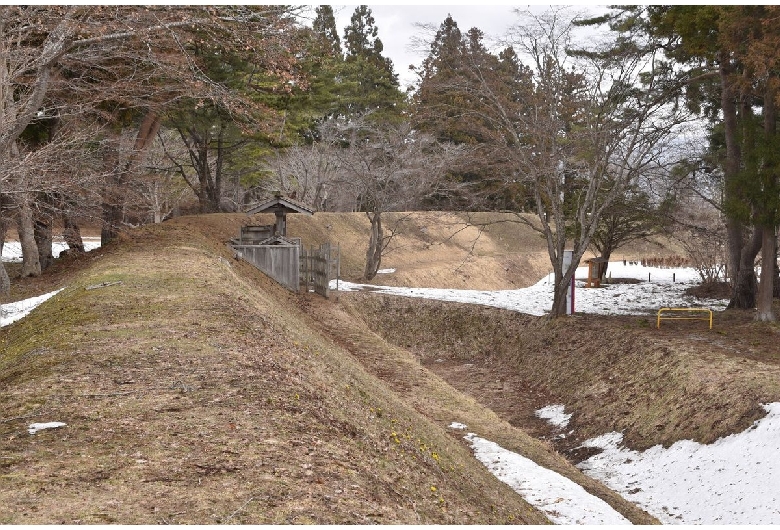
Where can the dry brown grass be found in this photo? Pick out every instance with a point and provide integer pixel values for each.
(446, 250)
(614, 373)
(196, 391)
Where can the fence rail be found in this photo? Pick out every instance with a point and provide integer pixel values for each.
(318, 267)
(295, 267)
(280, 262)
(689, 310)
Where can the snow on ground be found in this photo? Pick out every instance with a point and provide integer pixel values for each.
(12, 250)
(562, 500)
(554, 414)
(18, 310)
(35, 427)
(665, 288)
(735, 480)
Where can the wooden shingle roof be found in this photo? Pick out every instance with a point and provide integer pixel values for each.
(280, 204)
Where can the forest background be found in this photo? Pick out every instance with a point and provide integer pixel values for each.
(120, 116)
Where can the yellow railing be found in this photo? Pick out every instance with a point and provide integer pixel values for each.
(689, 309)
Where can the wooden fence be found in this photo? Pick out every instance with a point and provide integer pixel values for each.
(280, 262)
(318, 266)
(295, 267)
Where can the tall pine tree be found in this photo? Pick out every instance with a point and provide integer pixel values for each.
(733, 49)
(368, 84)
(324, 27)
(446, 106)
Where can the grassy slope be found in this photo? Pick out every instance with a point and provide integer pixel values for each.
(619, 373)
(197, 391)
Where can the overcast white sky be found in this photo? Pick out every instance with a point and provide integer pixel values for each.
(397, 25)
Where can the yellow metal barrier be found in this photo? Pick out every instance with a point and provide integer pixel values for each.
(689, 309)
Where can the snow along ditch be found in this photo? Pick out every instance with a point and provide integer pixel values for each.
(562, 500)
(732, 481)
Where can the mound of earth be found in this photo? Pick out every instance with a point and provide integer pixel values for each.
(710, 290)
(196, 391)
(487, 251)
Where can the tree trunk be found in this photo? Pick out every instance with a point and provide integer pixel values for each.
(745, 285)
(562, 287)
(112, 221)
(776, 284)
(743, 277)
(5, 281)
(605, 254)
(114, 196)
(764, 305)
(72, 235)
(374, 252)
(31, 265)
(43, 238)
(559, 300)
(768, 288)
(3, 229)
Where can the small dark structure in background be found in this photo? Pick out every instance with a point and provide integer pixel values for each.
(283, 258)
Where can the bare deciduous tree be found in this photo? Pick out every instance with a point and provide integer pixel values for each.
(52, 177)
(390, 168)
(304, 172)
(361, 165)
(700, 229)
(158, 190)
(578, 128)
(110, 62)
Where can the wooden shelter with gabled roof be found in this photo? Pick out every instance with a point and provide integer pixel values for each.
(280, 207)
(281, 257)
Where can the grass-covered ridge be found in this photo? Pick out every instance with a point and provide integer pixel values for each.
(197, 391)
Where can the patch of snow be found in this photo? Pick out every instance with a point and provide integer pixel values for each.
(18, 310)
(562, 500)
(385, 271)
(458, 426)
(35, 427)
(554, 414)
(610, 440)
(732, 481)
(666, 288)
(12, 250)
